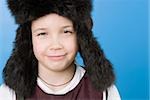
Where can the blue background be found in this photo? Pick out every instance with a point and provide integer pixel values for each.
(121, 27)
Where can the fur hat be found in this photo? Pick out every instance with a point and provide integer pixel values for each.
(21, 71)
(28, 10)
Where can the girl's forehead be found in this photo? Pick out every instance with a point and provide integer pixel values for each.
(51, 22)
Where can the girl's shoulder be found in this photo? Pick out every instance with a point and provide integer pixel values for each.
(6, 93)
(112, 93)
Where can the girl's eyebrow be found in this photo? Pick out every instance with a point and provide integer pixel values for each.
(38, 29)
(66, 26)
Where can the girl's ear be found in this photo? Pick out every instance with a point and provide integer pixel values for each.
(98, 67)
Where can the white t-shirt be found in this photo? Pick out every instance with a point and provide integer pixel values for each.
(8, 94)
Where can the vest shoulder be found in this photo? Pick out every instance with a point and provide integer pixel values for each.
(7, 93)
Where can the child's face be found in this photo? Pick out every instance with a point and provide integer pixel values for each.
(54, 42)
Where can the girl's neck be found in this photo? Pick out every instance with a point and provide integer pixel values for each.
(56, 80)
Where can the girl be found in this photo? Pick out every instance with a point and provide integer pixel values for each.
(42, 65)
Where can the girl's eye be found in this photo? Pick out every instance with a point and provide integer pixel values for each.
(41, 34)
(68, 31)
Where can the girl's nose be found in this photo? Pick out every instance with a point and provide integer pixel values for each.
(55, 44)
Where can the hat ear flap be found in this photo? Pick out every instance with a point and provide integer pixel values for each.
(20, 71)
(98, 67)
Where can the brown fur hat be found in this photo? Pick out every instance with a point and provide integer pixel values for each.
(28, 10)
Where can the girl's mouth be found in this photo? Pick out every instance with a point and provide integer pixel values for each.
(56, 57)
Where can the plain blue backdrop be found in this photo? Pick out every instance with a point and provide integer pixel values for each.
(121, 27)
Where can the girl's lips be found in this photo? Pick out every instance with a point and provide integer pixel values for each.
(56, 57)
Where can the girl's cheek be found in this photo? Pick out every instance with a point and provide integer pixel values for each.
(70, 44)
(38, 47)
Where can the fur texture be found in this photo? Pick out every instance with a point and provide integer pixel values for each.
(21, 70)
